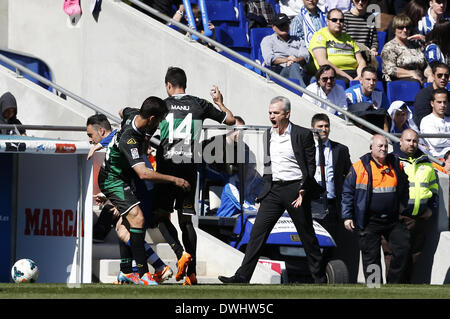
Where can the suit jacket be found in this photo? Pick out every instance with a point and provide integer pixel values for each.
(341, 167)
(305, 152)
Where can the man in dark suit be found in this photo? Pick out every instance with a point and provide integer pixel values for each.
(336, 164)
(289, 184)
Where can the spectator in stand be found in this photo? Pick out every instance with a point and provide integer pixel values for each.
(395, 7)
(258, 13)
(332, 46)
(366, 93)
(422, 107)
(435, 12)
(404, 59)
(438, 43)
(326, 88)
(366, 90)
(357, 26)
(196, 12)
(415, 9)
(284, 54)
(291, 8)
(401, 117)
(371, 198)
(343, 5)
(308, 21)
(8, 107)
(436, 123)
(165, 7)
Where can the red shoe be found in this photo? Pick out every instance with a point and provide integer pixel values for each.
(182, 264)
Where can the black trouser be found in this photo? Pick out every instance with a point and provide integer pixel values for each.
(272, 207)
(330, 223)
(398, 237)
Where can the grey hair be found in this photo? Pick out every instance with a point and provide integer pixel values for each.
(286, 103)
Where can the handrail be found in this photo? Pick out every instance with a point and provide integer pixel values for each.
(286, 81)
(42, 127)
(59, 88)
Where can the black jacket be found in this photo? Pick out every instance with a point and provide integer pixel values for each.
(305, 152)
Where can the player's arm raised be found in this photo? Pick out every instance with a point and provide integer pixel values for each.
(218, 100)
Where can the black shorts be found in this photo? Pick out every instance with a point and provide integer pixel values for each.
(119, 193)
(169, 196)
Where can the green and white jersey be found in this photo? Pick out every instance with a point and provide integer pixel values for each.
(183, 124)
(123, 153)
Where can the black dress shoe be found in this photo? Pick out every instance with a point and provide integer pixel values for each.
(236, 279)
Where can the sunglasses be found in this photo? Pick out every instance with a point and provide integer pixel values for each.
(337, 20)
(326, 79)
(444, 75)
(401, 27)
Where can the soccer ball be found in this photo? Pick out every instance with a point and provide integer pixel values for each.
(24, 270)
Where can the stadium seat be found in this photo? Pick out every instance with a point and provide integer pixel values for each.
(402, 90)
(221, 11)
(275, 5)
(232, 36)
(287, 86)
(256, 36)
(381, 35)
(427, 84)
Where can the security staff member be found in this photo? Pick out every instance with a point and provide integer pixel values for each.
(373, 191)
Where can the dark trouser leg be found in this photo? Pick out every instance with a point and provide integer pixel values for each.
(302, 220)
(399, 242)
(370, 245)
(268, 214)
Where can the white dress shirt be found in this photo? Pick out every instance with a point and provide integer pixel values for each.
(329, 172)
(282, 157)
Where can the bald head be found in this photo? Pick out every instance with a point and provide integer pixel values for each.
(409, 141)
(379, 148)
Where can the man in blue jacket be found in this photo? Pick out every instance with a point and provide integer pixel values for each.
(373, 192)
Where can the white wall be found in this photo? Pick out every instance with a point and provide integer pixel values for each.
(38, 106)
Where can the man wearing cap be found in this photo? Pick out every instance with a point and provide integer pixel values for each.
(285, 54)
(330, 45)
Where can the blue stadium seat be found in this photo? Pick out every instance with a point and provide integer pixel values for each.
(232, 36)
(341, 83)
(256, 36)
(427, 84)
(275, 4)
(287, 86)
(221, 11)
(405, 91)
(381, 35)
